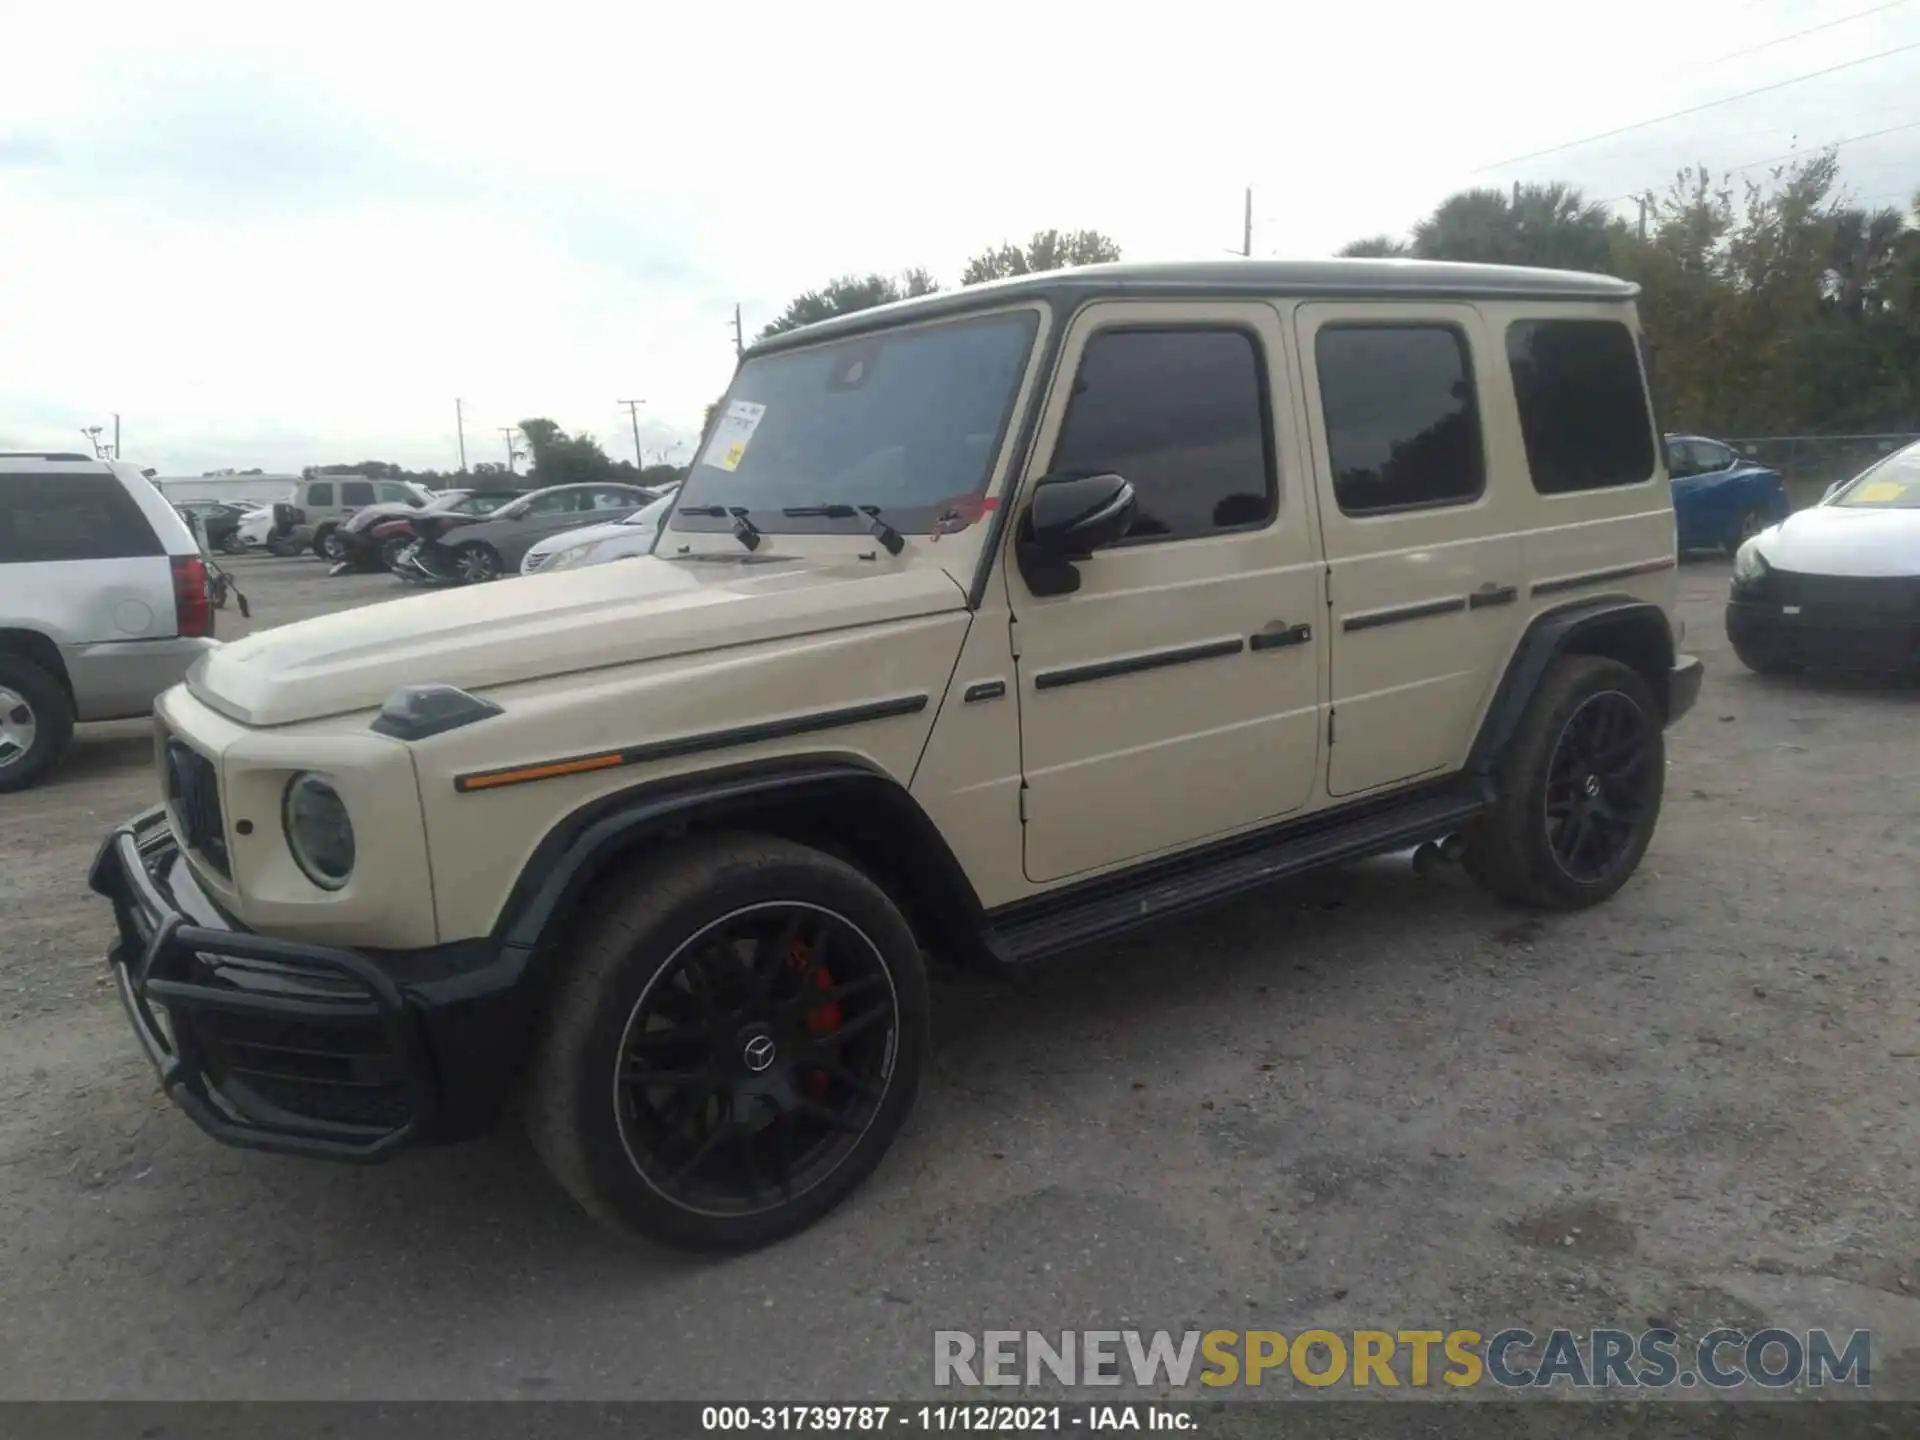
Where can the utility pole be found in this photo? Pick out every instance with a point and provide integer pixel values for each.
(116, 434)
(507, 431)
(460, 429)
(1246, 233)
(739, 335)
(1643, 219)
(633, 414)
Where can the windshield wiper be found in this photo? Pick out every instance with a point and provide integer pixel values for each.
(743, 528)
(876, 527)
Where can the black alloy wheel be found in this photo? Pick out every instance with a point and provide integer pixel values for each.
(1597, 791)
(756, 1059)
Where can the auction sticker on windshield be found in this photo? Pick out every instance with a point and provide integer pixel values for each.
(733, 434)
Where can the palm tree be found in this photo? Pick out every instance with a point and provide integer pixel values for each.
(1553, 225)
(1862, 255)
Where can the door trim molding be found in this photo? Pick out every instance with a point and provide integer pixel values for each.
(1599, 577)
(1134, 664)
(1395, 616)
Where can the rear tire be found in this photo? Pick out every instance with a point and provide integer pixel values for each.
(1748, 526)
(281, 545)
(329, 546)
(1579, 789)
(792, 1003)
(36, 722)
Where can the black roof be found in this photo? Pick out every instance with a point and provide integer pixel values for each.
(1319, 279)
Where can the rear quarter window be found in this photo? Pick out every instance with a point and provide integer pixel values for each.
(1583, 404)
(71, 517)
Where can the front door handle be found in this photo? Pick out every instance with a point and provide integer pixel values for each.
(1492, 594)
(1280, 634)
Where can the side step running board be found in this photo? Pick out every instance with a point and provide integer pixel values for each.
(1032, 933)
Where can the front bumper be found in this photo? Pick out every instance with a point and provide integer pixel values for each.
(1683, 685)
(1829, 638)
(303, 1049)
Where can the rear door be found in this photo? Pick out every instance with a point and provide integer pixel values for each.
(79, 563)
(1424, 567)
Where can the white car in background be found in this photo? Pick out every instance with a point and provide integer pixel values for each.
(254, 527)
(596, 544)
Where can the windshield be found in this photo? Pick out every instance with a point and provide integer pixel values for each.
(650, 513)
(1893, 484)
(908, 421)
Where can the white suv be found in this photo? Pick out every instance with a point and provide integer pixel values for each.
(103, 602)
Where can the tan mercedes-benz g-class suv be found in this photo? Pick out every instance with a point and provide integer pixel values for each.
(986, 625)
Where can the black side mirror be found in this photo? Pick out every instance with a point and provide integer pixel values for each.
(1070, 517)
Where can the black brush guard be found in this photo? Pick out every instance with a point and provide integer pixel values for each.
(267, 1044)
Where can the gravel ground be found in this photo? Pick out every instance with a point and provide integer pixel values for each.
(1369, 1100)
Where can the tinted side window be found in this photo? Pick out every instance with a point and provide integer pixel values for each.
(321, 494)
(70, 517)
(1182, 414)
(1403, 423)
(356, 492)
(1583, 408)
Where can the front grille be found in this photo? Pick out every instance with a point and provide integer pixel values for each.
(535, 561)
(194, 789)
(1885, 596)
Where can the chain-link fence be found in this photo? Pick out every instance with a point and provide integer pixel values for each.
(1810, 463)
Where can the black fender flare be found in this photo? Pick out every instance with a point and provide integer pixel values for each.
(1598, 625)
(575, 852)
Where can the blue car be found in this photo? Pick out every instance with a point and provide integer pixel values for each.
(1721, 499)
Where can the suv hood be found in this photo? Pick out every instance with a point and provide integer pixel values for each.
(536, 626)
(1845, 540)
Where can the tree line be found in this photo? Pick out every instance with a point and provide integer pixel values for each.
(556, 458)
(1775, 307)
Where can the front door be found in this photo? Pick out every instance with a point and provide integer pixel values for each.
(1175, 695)
(1423, 555)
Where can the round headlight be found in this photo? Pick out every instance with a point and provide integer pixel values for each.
(318, 830)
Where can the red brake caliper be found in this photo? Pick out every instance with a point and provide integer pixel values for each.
(822, 1019)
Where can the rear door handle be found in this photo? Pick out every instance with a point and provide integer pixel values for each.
(1491, 594)
(1276, 636)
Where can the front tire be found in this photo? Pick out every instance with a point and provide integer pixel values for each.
(1579, 789)
(36, 722)
(738, 1039)
(329, 545)
(476, 563)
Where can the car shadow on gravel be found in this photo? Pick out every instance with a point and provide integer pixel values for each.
(105, 750)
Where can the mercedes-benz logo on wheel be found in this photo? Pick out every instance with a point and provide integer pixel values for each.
(759, 1053)
(1593, 786)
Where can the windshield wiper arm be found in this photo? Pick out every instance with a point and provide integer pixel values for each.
(743, 528)
(876, 527)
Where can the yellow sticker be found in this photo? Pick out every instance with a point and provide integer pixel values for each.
(1878, 492)
(733, 434)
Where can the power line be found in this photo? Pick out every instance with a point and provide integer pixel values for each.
(1696, 109)
(1796, 35)
(1788, 155)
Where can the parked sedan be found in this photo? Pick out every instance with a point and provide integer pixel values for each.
(1721, 499)
(1836, 585)
(217, 522)
(594, 544)
(366, 541)
(496, 545)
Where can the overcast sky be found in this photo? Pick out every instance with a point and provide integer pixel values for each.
(282, 235)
